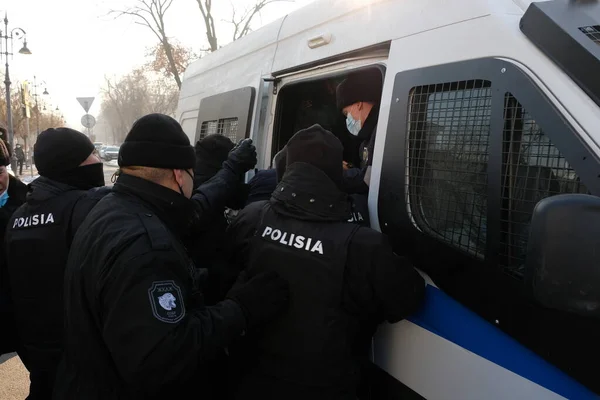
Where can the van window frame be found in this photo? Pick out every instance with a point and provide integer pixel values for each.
(279, 103)
(237, 103)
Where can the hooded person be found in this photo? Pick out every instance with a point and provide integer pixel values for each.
(359, 205)
(136, 322)
(12, 196)
(208, 248)
(358, 98)
(38, 240)
(344, 280)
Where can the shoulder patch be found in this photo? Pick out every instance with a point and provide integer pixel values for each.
(166, 301)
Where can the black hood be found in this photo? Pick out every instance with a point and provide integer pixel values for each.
(307, 193)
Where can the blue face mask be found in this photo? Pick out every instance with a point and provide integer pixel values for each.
(354, 126)
(4, 198)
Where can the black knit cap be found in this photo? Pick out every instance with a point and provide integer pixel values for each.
(318, 147)
(157, 141)
(58, 150)
(213, 150)
(360, 86)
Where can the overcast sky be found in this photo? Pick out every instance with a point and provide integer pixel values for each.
(75, 43)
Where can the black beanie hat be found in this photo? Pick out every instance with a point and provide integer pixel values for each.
(58, 150)
(318, 147)
(360, 86)
(213, 150)
(157, 141)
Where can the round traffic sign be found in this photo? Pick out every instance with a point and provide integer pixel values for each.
(88, 121)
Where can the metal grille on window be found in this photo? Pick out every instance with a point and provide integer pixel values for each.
(593, 32)
(449, 127)
(533, 169)
(228, 127)
(208, 128)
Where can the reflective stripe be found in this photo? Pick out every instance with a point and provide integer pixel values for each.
(448, 352)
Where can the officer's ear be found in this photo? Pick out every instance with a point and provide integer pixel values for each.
(178, 176)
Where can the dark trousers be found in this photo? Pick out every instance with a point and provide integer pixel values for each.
(20, 164)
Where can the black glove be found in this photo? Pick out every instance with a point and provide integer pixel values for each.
(262, 298)
(242, 158)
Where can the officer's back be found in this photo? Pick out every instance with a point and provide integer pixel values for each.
(344, 279)
(38, 239)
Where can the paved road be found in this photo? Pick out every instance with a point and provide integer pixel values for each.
(14, 378)
(109, 169)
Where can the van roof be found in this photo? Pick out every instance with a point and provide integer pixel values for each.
(386, 20)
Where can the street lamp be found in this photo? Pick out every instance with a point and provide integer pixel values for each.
(10, 35)
(37, 84)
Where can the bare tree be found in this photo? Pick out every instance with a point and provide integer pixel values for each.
(134, 95)
(151, 13)
(242, 21)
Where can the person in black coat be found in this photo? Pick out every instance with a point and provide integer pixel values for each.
(38, 240)
(135, 318)
(344, 280)
(13, 193)
(208, 248)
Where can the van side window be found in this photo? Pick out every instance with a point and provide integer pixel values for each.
(228, 114)
(226, 127)
(532, 169)
(208, 128)
(448, 143)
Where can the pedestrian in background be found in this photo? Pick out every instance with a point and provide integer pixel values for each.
(20, 154)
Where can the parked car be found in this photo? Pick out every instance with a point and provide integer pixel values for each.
(111, 153)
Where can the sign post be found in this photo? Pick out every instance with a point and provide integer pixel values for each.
(88, 121)
(86, 103)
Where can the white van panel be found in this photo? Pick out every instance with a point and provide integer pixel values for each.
(496, 35)
(438, 369)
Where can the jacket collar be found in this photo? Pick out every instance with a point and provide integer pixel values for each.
(370, 124)
(174, 210)
(306, 193)
(44, 188)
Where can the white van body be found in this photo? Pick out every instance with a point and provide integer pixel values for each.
(329, 37)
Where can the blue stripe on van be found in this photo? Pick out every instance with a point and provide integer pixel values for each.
(449, 319)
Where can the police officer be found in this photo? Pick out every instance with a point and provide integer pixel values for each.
(38, 239)
(136, 323)
(358, 98)
(344, 279)
(208, 248)
(12, 195)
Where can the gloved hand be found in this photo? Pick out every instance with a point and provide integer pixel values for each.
(242, 158)
(262, 298)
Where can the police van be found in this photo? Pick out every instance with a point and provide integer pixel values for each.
(485, 174)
